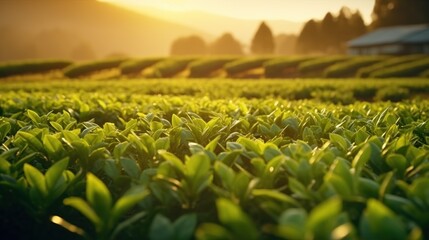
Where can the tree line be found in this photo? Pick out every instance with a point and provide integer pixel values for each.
(326, 36)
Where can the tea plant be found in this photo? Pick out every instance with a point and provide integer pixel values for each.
(115, 164)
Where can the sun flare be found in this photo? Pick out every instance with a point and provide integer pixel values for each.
(246, 9)
(172, 5)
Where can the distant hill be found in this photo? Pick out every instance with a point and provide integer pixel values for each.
(81, 29)
(243, 29)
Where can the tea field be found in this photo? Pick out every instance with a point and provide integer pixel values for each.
(237, 67)
(214, 159)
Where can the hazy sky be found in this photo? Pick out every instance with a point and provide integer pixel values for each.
(295, 10)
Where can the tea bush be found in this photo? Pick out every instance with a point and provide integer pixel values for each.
(204, 67)
(283, 67)
(350, 67)
(366, 71)
(394, 94)
(317, 65)
(170, 67)
(411, 69)
(27, 67)
(131, 67)
(243, 65)
(77, 70)
(115, 164)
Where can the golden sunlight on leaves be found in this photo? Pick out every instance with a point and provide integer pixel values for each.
(62, 222)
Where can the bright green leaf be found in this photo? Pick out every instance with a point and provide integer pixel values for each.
(98, 196)
(83, 207)
(130, 167)
(54, 173)
(36, 179)
(231, 216)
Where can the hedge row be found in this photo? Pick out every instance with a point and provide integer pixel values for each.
(136, 66)
(366, 71)
(411, 69)
(170, 67)
(27, 67)
(319, 64)
(283, 67)
(268, 67)
(82, 69)
(350, 67)
(204, 67)
(243, 65)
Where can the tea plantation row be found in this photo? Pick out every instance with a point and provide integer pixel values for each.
(342, 91)
(232, 67)
(115, 165)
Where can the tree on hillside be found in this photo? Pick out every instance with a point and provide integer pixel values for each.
(226, 45)
(357, 25)
(191, 45)
(309, 38)
(263, 40)
(343, 21)
(329, 28)
(332, 33)
(399, 12)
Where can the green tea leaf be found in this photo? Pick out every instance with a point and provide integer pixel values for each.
(98, 196)
(53, 147)
(369, 152)
(275, 195)
(368, 188)
(379, 222)
(54, 173)
(111, 168)
(419, 190)
(323, 218)
(341, 142)
(226, 174)
(4, 130)
(397, 162)
(292, 223)
(298, 188)
(210, 231)
(161, 228)
(198, 172)
(176, 121)
(32, 141)
(211, 146)
(236, 220)
(36, 179)
(162, 143)
(33, 116)
(128, 201)
(173, 160)
(130, 167)
(56, 126)
(4, 166)
(184, 227)
(83, 207)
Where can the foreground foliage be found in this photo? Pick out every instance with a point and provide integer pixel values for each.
(114, 165)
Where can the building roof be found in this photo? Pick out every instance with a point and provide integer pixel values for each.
(389, 35)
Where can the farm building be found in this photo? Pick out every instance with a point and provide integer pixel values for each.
(398, 40)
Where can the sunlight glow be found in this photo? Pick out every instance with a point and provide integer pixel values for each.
(291, 10)
(172, 5)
